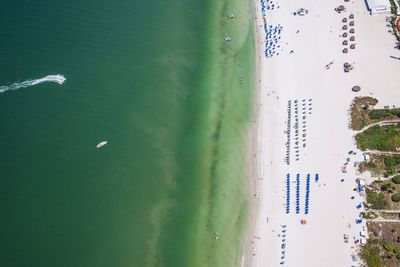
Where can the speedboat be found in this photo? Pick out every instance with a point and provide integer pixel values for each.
(103, 143)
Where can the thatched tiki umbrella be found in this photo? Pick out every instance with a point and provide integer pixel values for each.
(356, 88)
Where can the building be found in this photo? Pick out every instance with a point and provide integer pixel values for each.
(378, 6)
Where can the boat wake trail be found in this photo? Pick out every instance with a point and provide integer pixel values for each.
(49, 78)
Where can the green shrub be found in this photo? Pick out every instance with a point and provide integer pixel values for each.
(389, 247)
(396, 197)
(396, 179)
(396, 251)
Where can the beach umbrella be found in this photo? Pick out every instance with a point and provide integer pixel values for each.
(352, 31)
(356, 88)
(345, 50)
(344, 35)
(344, 27)
(352, 46)
(351, 16)
(351, 23)
(345, 42)
(352, 38)
(344, 20)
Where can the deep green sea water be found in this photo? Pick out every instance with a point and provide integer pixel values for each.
(156, 80)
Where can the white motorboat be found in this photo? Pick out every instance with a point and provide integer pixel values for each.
(103, 143)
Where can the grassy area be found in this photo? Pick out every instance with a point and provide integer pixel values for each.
(383, 195)
(384, 114)
(383, 138)
(392, 164)
(380, 165)
(375, 200)
(359, 110)
(363, 113)
(370, 253)
(383, 247)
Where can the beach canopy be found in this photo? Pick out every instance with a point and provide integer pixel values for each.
(356, 88)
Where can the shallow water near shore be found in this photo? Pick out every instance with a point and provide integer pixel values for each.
(154, 79)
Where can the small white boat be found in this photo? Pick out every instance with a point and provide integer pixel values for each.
(103, 143)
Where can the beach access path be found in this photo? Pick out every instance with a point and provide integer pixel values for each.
(302, 219)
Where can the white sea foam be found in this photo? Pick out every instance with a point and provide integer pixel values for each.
(49, 78)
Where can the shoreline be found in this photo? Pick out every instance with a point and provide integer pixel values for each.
(301, 73)
(253, 154)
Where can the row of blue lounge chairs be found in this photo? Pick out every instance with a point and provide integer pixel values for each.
(307, 193)
(297, 193)
(283, 244)
(288, 130)
(287, 193)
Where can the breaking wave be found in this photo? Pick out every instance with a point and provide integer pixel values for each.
(49, 78)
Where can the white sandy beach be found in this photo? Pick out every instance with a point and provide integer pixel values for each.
(302, 75)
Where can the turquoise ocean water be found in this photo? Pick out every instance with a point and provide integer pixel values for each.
(156, 80)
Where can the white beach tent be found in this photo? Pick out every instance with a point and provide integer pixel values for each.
(378, 6)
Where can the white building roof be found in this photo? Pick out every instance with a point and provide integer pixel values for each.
(378, 6)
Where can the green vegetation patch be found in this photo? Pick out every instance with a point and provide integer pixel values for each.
(382, 248)
(370, 253)
(383, 138)
(373, 260)
(384, 114)
(375, 200)
(396, 179)
(396, 197)
(380, 165)
(389, 247)
(363, 114)
(392, 164)
(360, 108)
